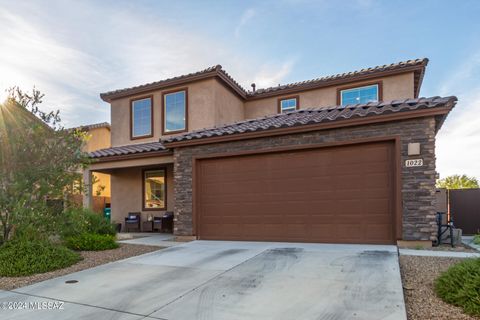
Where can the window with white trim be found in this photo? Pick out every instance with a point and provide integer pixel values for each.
(141, 117)
(287, 105)
(175, 111)
(359, 95)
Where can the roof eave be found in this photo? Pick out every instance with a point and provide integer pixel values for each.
(231, 84)
(131, 156)
(418, 83)
(108, 97)
(237, 89)
(328, 83)
(439, 111)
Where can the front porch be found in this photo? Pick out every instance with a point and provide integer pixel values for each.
(140, 186)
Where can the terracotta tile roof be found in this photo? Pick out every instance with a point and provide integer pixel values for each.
(418, 66)
(206, 73)
(93, 126)
(316, 116)
(127, 150)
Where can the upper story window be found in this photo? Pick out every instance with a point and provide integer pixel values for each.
(287, 104)
(142, 118)
(175, 111)
(362, 94)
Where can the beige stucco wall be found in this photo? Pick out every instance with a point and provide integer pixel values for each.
(101, 185)
(99, 138)
(229, 107)
(394, 87)
(398, 87)
(127, 193)
(210, 103)
(201, 112)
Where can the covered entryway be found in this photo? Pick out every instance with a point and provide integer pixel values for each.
(340, 194)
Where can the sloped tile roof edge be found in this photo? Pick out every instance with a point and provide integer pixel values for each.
(409, 65)
(127, 150)
(312, 116)
(398, 66)
(202, 74)
(87, 127)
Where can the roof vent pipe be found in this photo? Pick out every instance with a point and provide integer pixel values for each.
(253, 86)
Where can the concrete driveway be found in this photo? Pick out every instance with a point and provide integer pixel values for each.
(228, 280)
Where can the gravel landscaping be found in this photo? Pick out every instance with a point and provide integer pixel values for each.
(90, 259)
(418, 275)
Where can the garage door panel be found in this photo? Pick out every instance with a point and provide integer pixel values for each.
(296, 231)
(341, 194)
(350, 231)
(379, 231)
(377, 205)
(323, 232)
(349, 207)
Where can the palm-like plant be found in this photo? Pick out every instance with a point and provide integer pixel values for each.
(457, 181)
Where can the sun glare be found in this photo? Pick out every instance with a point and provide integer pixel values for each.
(3, 96)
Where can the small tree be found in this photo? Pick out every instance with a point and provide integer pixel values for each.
(39, 160)
(458, 182)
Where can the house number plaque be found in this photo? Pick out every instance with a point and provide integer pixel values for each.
(414, 163)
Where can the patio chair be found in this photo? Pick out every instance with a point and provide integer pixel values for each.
(167, 222)
(132, 221)
(157, 224)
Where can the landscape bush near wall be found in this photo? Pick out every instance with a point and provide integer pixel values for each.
(39, 164)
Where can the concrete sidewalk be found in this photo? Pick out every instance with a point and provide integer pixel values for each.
(229, 280)
(468, 240)
(152, 239)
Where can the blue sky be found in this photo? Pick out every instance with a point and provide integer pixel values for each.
(73, 50)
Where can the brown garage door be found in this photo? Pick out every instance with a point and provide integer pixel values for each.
(336, 194)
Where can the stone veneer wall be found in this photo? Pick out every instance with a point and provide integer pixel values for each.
(418, 184)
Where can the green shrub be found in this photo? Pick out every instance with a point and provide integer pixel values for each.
(79, 221)
(22, 258)
(460, 286)
(91, 242)
(476, 239)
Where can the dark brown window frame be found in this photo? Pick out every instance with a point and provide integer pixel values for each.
(163, 111)
(279, 102)
(132, 137)
(360, 85)
(143, 189)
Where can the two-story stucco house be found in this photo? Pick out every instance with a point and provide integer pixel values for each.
(348, 158)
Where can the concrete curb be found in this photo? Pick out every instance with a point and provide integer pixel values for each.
(468, 241)
(431, 253)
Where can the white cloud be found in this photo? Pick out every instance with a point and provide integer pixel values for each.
(28, 56)
(273, 73)
(244, 19)
(72, 51)
(458, 142)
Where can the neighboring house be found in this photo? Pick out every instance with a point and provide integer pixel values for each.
(348, 158)
(98, 137)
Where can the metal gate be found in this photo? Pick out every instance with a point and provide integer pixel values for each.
(465, 210)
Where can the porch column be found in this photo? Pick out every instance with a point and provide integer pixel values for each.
(87, 189)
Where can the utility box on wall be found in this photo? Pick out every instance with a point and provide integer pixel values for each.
(441, 200)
